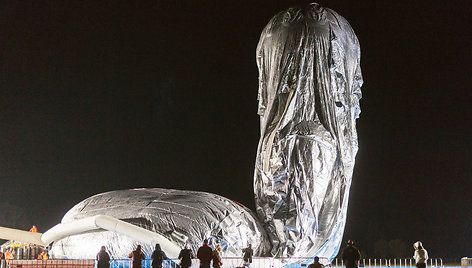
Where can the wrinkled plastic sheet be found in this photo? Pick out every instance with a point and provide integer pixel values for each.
(183, 217)
(309, 90)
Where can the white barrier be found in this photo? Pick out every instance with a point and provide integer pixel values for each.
(404, 262)
(234, 262)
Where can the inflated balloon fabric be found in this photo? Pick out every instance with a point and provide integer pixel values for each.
(309, 90)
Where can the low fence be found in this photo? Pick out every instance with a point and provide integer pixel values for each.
(174, 263)
(406, 262)
(171, 263)
(51, 264)
(229, 262)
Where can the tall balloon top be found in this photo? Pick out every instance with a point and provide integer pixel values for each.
(309, 90)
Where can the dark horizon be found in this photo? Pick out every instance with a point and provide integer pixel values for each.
(98, 97)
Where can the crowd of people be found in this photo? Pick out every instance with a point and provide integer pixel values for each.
(207, 256)
(351, 255)
(212, 257)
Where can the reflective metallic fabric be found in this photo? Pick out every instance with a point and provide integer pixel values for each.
(309, 90)
(180, 216)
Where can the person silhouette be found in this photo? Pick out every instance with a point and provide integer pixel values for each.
(137, 257)
(247, 255)
(103, 258)
(205, 255)
(316, 263)
(186, 256)
(158, 256)
(351, 255)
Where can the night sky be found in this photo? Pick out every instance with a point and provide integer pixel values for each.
(101, 95)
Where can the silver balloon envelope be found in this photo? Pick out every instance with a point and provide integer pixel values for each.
(309, 90)
(183, 217)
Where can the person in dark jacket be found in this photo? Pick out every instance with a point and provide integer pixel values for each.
(247, 257)
(205, 255)
(351, 255)
(138, 257)
(157, 257)
(186, 256)
(103, 258)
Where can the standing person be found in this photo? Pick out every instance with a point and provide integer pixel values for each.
(138, 256)
(351, 255)
(157, 257)
(421, 255)
(205, 254)
(316, 263)
(217, 263)
(103, 258)
(186, 256)
(8, 256)
(2, 259)
(43, 255)
(247, 257)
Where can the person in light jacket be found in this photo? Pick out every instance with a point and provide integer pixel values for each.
(421, 255)
(217, 263)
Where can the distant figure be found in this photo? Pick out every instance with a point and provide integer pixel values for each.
(247, 257)
(351, 255)
(8, 256)
(217, 263)
(157, 257)
(43, 255)
(34, 229)
(138, 256)
(186, 256)
(103, 258)
(205, 255)
(421, 255)
(316, 263)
